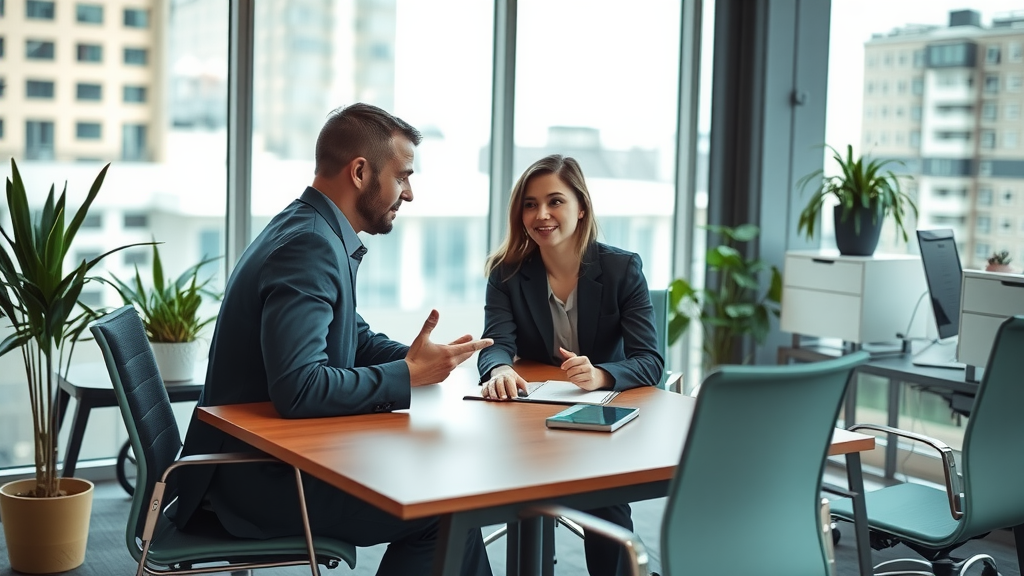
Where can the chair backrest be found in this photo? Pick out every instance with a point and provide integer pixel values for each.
(746, 496)
(993, 463)
(659, 301)
(142, 398)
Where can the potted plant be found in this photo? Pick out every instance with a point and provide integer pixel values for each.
(999, 262)
(45, 519)
(867, 194)
(170, 312)
(735, 308)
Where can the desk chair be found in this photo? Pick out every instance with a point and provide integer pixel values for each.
(717, 521)
(985, 494)
(152, 539)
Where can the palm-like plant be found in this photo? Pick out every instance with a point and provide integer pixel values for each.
(170, 310)
(861, 185)
(736, 307)
(41, 303)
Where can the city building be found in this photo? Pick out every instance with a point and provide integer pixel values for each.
(946, 102)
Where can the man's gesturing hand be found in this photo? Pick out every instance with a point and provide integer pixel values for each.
(431, 363)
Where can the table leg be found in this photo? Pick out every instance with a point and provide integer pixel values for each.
(855, 478)
(891, 440)
(531, 535)
(1018, 539)
(548, 546)
(75, 439)
(63, 398)
(850, 405)
(512, 549)
(451, 544)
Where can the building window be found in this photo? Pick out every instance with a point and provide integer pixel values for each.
(133, 142)
(917, 86)
(992, 54)
(1012, 112)
(1013, 82)
(902, 59)
(901, 87)
(988, 111)
(960, 135)
(883, 112)
(982, 251)
(1, 46)
(39, 89)
(38, 50)
(900, 112)
(135, 56)
(983, 225)
(93, 222)
(918, 58)
(887, 60)
(870, 88)
(85, 91)
(884, 86)
(136, 18)
(869, 138)
(915, 112)
(38, 140)
(872, 61)
(915, 138)
(39, 9)
(991, 83)
(3, 86)
(136, 221)
(89, 13)
(134, 93)
(134, 258)
(1015, 52)
(1, 128)
(1005, 225)
(988, 139)
(984, 196)
(1010, 139)
(88, 130)
(89, 53)
(869, 112)
(1006, 198)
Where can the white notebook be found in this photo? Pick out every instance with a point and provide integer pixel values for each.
(563, 392)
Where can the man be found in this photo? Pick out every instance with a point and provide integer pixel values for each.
(288, 332)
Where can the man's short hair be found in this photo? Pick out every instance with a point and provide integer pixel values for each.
(359, 130)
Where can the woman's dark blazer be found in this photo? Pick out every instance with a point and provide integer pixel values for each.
(615, 319)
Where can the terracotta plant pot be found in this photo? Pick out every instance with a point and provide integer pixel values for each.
(1005, 268)
(46, 535)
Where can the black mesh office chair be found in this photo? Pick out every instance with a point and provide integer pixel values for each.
(152, 539)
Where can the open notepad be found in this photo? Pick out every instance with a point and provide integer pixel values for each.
(560, 392)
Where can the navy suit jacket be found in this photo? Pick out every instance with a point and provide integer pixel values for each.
(288, 332)
(615, 319)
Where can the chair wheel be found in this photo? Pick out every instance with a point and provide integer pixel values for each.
(126, 468)
(835, 535)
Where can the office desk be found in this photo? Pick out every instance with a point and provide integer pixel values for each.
(479, 463)
(952, 384)
(89, 384)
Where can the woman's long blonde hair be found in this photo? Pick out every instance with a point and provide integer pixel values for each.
(517, 244)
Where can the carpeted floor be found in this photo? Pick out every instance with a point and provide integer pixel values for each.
(107, 555)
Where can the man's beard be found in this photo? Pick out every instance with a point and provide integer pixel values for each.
(374, 211)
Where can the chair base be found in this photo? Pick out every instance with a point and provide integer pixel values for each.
(940, 567)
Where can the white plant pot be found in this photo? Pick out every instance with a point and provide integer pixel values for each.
(176, 360)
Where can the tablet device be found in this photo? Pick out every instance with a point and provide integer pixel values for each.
(592, 417)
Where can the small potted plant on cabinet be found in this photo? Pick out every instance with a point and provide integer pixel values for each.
(999, 262)
(171, 314)
(867, 195)
(736, 308)
(45, 519)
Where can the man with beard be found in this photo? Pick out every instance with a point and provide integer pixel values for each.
(288, 332)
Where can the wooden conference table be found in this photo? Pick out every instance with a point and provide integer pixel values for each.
(479, 463)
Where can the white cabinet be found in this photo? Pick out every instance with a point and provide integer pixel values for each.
(986, 299)
(857, 299)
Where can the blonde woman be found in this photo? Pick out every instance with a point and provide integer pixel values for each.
(558, 296)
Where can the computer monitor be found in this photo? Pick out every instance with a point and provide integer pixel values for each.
(943, 273)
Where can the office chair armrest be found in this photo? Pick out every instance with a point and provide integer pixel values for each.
(630, 541)
(948, 462)
(223, 458)
(674, 382)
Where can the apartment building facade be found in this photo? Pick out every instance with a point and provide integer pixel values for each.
(946, 102)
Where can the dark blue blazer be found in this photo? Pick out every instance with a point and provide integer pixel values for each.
(288, 332)
(615, 319)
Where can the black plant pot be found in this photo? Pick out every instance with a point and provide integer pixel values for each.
(848, 240)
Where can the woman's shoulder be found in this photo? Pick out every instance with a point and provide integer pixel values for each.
(609, 253)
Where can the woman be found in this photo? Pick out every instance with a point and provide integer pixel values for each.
(556, 295)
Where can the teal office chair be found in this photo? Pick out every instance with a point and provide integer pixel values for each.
(985, 493)
(722, 518)
(659, 300)
(152, 539)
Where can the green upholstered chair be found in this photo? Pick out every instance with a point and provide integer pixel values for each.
(745, 498)
(152, 539)
(985, 493)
